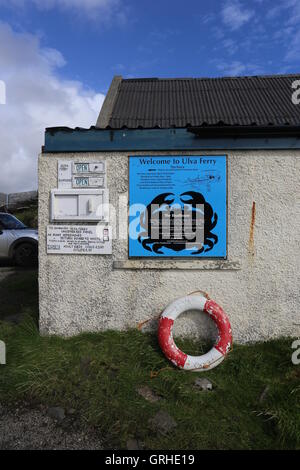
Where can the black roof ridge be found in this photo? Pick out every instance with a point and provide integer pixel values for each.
(229, 77)
(211, 127)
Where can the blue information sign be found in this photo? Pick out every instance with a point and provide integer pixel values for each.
(177, 206)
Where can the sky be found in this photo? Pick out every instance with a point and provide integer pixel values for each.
(58, 57)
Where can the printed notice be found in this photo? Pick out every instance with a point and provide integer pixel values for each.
(79, 239)
(177, 206)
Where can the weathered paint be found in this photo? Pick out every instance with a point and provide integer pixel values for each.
(251, 234)
(167, 344)
(175, 264)
(165, 335)
(93, 140)
(218, 315)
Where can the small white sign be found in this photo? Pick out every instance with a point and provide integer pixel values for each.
(79, 239)
(88, 181)
(89, 167)
(64, 174)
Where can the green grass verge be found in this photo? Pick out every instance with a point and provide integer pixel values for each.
(98, 375)
(18, 294)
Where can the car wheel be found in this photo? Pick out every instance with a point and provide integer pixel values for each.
(26, 255)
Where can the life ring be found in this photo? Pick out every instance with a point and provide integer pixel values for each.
(165, 334)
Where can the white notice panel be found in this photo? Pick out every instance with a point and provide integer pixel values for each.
(79, 239)
(79, 205)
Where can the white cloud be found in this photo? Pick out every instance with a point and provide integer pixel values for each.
(47, 4)
(291, 7)
(230, 46)
(232, 68)
(35, 98)
(103, 10)
(287, 15)
(207, 18)
(293, 52)
(234, 15)
(236, 68)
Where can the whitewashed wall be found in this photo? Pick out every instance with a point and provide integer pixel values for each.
(258, 286)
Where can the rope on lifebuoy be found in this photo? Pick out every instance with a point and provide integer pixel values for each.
(165, 335)
(201, 292)
(144, 322)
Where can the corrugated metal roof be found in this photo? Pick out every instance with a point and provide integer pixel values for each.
(232, 101)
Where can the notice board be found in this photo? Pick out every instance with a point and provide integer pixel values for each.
(178, 206)
(79, 239)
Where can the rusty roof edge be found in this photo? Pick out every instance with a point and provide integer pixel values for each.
(220, 129)
(109, 102)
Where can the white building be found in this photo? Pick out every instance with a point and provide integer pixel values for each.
(229, 144)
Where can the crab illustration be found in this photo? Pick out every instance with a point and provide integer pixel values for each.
(165, 201)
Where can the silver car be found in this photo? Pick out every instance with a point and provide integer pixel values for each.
(17, 242)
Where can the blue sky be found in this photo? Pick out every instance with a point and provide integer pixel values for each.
(165, 38)
(57, 57)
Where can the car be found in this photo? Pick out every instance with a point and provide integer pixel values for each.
(18, 242)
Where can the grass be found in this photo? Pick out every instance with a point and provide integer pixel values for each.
(98, 375)
(18, 294)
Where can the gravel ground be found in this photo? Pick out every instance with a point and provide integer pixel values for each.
(24, 428)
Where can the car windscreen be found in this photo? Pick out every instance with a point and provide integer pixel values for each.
(9, 222)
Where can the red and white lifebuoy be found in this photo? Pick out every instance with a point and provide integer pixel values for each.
(165, 335)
